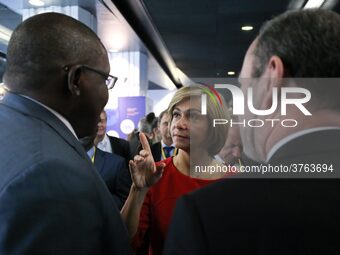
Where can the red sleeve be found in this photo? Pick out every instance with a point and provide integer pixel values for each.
(144, 220)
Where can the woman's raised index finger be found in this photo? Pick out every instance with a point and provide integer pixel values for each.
(144, 141)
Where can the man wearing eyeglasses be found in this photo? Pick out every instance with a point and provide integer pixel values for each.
(52, 200)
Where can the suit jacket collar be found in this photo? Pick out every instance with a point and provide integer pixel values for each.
(294, 136)
(105, 144)
(309, 144)
(113, 142)
(58, 115)
(29, 107)
(99, 160)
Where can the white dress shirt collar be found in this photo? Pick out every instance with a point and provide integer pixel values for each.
(164, 145)
(59, 116)
(293, 136)
(105, 144)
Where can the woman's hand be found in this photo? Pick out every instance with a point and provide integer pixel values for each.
(144, 172)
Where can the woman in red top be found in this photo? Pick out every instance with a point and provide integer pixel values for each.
(156, 187)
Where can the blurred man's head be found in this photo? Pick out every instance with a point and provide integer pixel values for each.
(149, 126)
(60, 62)
(291, 45)
(232, 149)
(163, 124)
(102, 126)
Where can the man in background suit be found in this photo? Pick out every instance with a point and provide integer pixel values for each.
(290, 213)
(109, 143)
(52, 200)
(113, 170)
(165, 148)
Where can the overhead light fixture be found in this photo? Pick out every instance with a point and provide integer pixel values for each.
(313, 4)
(247, 28)
(37, 2)
(113, 50)
(231, 73)
(5, 34)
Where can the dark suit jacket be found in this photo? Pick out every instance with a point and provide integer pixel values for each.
(156, 151)
(52, 200)
(121, 147)
(265, 216)
(113, 170)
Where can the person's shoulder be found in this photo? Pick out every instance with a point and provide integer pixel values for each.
(120, 141)
(22, 147)
(156, 149)
(156, 145)
(121, 147)
(14, 122)
(111, 156)
(55, 184)
(233, 190)
(206, 193)
(47, 171)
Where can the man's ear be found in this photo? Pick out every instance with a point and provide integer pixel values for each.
(274, 74)
(275, 68)
(73, 80)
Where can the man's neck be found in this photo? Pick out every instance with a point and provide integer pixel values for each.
(100, 138)
(167, 142)
(182, 162)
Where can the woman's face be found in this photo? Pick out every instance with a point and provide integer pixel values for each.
(188, 126)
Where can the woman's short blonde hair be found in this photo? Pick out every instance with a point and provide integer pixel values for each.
(216, 109)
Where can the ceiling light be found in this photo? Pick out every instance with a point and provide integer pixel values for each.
(313, 4)
(36, 2)
(231, 73)
(5, 34)
(247, 28)
(113, 50)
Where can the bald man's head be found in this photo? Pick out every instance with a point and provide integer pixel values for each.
(61, 63)
(42, 45)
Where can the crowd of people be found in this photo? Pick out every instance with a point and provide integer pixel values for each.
(66, 187)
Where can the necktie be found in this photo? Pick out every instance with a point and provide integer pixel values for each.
(167, 150)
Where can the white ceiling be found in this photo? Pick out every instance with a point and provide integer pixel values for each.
(113, 30)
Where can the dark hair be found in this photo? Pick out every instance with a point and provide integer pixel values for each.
(148, 123)
(307, 41)
(152, 119)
